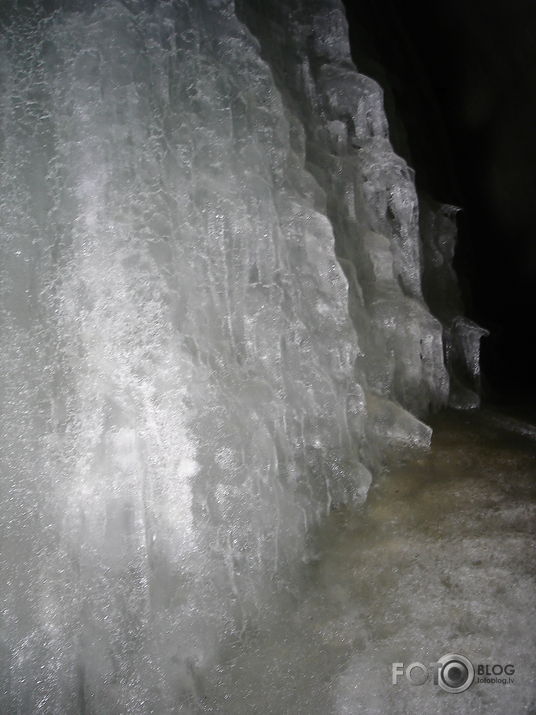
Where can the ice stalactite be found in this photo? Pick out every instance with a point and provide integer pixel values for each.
(369, 195)
(461, 336)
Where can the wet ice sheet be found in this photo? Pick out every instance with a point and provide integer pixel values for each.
(441, 559)
(189, 379)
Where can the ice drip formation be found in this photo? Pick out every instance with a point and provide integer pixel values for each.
(213, 327)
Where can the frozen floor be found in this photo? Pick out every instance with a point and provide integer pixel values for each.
(440, 560)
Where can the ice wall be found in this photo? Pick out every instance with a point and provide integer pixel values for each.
(212, 326)
(370, 196)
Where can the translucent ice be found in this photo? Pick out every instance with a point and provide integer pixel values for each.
(212, 326)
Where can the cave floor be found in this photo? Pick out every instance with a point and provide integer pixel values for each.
(439, 560)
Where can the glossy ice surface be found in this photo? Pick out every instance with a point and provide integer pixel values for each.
(212, 331)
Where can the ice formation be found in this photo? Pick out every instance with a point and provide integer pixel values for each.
(212, 326)
(461, 336)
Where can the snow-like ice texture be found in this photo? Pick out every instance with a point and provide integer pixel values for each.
(189, 380)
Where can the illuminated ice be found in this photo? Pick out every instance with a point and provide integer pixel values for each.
(212, 329)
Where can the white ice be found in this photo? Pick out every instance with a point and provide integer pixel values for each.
(212, 332)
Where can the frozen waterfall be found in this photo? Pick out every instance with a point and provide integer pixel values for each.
(212, 328)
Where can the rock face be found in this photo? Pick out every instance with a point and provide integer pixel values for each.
(212, 327)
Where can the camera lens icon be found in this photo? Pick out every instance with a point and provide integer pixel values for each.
(455, 673)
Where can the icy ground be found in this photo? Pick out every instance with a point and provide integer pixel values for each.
(440, 559)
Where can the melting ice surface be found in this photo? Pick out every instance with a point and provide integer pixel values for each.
(212, 326)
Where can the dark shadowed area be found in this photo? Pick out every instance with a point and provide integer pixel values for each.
(461, 79)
